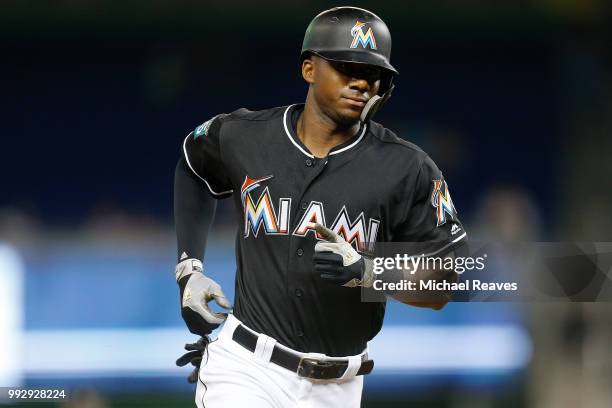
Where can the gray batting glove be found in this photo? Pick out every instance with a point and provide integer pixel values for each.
(196, 291)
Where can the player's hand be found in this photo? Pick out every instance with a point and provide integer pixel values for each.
(196, 291)
(194, 354)
(338, 262)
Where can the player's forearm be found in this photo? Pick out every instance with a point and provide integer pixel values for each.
(194, 211)
(434, 306)
(431, 299)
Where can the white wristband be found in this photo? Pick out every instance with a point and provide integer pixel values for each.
(188, 267)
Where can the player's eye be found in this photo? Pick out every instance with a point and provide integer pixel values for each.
(368, 73)
(342, 67)
(372, 74)
(360, 71)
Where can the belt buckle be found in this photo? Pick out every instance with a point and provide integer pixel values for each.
(313, 368)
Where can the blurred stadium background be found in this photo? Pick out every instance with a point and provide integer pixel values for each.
(513, 99)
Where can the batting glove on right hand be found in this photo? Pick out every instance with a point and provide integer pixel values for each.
(338, 262)
(196, 291)
(194, 356)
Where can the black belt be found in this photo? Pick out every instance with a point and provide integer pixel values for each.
(304, 367)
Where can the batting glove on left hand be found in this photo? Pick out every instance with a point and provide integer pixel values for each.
(337, 261)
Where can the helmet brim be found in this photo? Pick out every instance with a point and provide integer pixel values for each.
(356, 57)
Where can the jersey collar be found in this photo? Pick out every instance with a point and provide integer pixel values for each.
(295, 140)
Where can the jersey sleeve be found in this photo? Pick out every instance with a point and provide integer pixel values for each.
(431, 224)
(202, 152)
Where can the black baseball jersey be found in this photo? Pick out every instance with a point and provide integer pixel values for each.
(375, 187)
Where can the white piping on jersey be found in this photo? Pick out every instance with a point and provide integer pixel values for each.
(289, 134)
(445, 246)
(352, 144)
(310, 155)
(194, 172)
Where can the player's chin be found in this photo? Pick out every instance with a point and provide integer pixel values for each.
(348, 116)
(347, 120)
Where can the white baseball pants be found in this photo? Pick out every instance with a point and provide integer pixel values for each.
(233, 377)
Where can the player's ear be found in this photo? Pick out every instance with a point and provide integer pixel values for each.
(308, 70)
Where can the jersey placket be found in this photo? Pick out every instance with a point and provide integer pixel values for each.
(311, 168)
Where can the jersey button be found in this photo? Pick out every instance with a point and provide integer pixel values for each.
(300, 252)
(298, 292)
(304, 206)
(300, 333)
(308, 162)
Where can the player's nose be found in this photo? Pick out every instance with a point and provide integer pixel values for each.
(359, 84)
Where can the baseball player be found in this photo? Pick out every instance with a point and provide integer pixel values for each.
(314, 185)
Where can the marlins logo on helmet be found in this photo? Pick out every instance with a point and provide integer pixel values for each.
(360, 38)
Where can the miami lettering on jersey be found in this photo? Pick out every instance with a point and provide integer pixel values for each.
(360, 38)
(261, 214)
(442, 202)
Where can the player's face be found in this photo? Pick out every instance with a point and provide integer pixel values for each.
(341, 89)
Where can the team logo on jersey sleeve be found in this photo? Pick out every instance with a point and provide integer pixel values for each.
(359, 37)
(442, 202)
(202, 130)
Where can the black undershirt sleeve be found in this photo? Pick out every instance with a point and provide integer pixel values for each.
(194, 211)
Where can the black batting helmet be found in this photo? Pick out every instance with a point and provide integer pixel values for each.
(351, 34)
